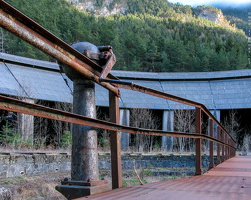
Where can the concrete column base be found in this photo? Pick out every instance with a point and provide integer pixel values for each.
(78, 189)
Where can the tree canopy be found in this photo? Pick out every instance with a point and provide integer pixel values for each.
(153, 36)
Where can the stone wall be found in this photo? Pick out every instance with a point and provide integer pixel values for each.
(20, 164)
(12, 165)
(154, 161)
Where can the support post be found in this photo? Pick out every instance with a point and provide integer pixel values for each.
(84, 138)
(233, 152)
(223, 146)
(125, 137)
(229, 149)
(226, 147)
(26, 124)
(216, 114)
(115, 142)
(167, 125)
(198, 142)
(211, 147)
(84, 162)
(218, 145)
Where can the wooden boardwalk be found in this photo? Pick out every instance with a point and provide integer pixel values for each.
(230, 180)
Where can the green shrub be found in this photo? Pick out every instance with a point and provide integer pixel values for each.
(66, 139)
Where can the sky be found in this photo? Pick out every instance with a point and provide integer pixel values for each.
(210, 2)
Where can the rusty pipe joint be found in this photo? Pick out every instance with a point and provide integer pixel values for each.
(105, 54)
(99, 54)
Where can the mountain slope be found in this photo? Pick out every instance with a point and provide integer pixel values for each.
(238, 16)
(150, 36)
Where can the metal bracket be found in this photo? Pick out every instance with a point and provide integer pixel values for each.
(108, 66)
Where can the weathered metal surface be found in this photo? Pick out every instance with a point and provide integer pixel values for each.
(211, 144)
(75, 191)
(116, 167)
(85, 183)
(14, 105)
(139, 88)
(198, 149)
(230, 180)
(108, 66)
(84, 163)
(28, 30)
(223, 147)
(218, 145)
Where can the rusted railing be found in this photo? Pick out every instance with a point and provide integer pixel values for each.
(25, 28)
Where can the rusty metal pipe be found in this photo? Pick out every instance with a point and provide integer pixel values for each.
(14, 105)
(30, 31)
(10, 23)
(146, 90)
(211, 145)
(116, 167)
(198, 146)
(84, 161)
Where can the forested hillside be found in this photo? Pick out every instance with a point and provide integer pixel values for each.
(238, 16)
(150, 36)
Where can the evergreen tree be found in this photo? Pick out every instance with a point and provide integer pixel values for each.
(152, 36)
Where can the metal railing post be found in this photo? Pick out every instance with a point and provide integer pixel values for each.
(198, 142)
(223, 146)
(211, 145)
(218, 145)
(228, 149)
(116, 168)
(233, 150)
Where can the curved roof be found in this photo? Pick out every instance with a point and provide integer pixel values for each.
(37, 79)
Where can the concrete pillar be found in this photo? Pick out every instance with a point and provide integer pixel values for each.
(84, 164)
(26, 124)
(125, 120)
(216, 114)
(167, 125)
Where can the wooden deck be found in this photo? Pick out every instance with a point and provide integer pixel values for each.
(230, 180)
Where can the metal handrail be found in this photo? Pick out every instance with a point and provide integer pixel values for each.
(11, 104)
(160, 94)
(32, 32)
(22, 26)
(27, 29)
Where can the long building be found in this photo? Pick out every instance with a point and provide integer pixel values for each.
(218, 91)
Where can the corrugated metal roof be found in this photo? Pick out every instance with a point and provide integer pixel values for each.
(34, 83)
(42, 80)
(28, 61)
(232, 93)
(183, 75)
(8, 83)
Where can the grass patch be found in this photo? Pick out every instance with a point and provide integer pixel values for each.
(36, 187)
